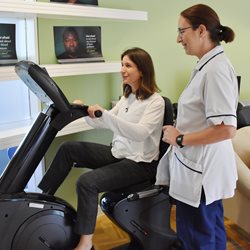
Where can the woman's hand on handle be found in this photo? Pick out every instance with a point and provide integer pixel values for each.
(95, 111)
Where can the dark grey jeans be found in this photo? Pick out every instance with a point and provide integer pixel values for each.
(109, 173)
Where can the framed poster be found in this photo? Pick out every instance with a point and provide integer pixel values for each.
(78, 44)
(8, 54)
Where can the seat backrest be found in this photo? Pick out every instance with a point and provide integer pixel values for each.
(168, 119)
(243, 116)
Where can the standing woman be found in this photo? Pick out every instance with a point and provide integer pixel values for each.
(136, 122)
(201, 168)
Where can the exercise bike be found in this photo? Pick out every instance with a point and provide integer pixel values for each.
(35, 221)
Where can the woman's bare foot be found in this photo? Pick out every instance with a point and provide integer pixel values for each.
(83, 248)
(85, 242)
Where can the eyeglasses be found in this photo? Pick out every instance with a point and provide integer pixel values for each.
(180, 31)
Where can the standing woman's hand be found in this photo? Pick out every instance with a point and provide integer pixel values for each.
(169, 134)
(92, 109)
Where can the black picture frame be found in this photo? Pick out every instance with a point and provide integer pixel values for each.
(8, 55)
(78, 44)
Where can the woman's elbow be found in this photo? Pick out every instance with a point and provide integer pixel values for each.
(141, 136)
(230, 132)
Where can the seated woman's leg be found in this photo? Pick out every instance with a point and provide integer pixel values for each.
(107, 178)
(84, 154)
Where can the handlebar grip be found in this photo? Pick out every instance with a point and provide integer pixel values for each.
(146, 193)
(143, 194)
(98, 113)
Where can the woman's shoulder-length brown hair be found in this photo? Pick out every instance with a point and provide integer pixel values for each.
(144, 63)
(203, 14)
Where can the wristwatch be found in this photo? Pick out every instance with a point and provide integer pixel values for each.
(179, 140)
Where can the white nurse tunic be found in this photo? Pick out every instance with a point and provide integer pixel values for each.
(210, 98)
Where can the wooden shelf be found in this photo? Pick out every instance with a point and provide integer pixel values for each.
(70, 69)
(59, 10)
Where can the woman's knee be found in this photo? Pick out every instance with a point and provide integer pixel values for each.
(63, 149)
(87, 183)
(65, 146)
(83, 182)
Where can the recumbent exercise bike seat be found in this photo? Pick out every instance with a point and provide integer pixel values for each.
(143, 210)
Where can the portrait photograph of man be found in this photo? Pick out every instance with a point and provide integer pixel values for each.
(78, 44)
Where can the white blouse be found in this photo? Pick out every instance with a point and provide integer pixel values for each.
(137, 127)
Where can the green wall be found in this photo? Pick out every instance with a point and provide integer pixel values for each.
(158, 36)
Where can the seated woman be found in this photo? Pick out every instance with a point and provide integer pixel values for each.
(136, 122)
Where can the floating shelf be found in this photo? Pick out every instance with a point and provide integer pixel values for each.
(59, 10)
(55, 70)
(8, 72)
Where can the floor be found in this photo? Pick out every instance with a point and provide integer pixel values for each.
(108, 235)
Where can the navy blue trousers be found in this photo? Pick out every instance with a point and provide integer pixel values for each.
(201, 228)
